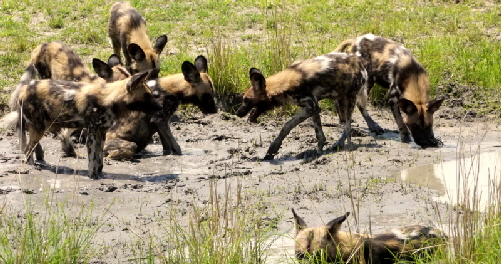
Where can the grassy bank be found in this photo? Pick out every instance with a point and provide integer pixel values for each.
(456, 42)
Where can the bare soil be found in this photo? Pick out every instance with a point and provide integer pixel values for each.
(139, 197)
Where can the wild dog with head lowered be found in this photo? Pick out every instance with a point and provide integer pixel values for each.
(392, 66)
(337, 76)
(131, 134)
(127, 31)
(337, 246)
(57, 61)
(49, 105)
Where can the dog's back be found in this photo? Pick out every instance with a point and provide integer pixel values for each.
(127, 31)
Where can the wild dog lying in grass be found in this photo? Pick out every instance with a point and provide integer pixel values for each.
(127, 31)
(49, 105)
(132, 133)
(392, 66)
(337, 76)
(57, 61)
(407, 243)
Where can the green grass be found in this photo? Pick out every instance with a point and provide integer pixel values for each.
(456, 42)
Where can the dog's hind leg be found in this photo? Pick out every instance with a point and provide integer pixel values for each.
(317, 124)
(31, 147)
(362, 106)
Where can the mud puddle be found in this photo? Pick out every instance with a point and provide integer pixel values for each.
(474, 180)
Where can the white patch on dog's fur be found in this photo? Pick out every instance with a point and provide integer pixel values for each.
(69, 95)
(342, 54)
(369, 36)
(399, 234)
(32, 82)
(151, 83)
(324, 62)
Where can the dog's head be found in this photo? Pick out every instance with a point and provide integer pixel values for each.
(255, 98)
(147, 58)
(139, 96)
(202, 90)
(321, 241)
(419, 119)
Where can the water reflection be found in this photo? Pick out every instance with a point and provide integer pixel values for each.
(473, 180)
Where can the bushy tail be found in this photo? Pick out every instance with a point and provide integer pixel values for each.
(29, 75)
(10, 120)
(342, 47)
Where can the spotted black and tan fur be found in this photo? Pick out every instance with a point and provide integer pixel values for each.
(132, 134)
(337, 76)
(392, 66)
(127, 31)
(57, 61)
(50, 105)
(330, 243)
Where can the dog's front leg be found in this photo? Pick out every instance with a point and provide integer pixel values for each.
(405, 135)
(95, 144)
(317, 124)
(169, 143)
(310, 108)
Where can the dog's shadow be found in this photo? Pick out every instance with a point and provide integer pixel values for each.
(58, 169)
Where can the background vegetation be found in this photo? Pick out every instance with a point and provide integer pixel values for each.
(456, 41)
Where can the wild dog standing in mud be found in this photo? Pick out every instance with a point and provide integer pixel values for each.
(131, 134)
(127, 31)
(57, 61)
(338, 246)
(49, 105)
(392, 66)
(337, 76)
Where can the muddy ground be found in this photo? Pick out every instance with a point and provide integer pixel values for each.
(141, 194)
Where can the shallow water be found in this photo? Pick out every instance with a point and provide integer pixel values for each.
(472, 181)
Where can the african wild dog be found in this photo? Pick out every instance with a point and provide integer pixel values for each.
(127, 31)
(337, 76)
(131, 134)
(49, 105)
(338, 246)
(392, 66)
(57, 61)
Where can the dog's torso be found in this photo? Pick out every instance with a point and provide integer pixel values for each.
(55, 104)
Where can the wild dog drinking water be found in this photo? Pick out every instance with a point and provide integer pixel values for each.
(127, 31)
(56, 60)
(338, 246)
(337, 76)
(131, 134)
(49, 105)
(392, 66)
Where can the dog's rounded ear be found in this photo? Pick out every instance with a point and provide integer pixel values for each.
(407, 106)
(136, 52)
(102, 69)
(153, 74)
(190, 72)
(334, 225)
(160, 44)
(434, 105)
(136, 81)
(299, 223)
(257, 79)
(114, 60)
(201, 64)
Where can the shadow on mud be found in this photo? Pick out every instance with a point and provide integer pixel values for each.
(113, 176)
